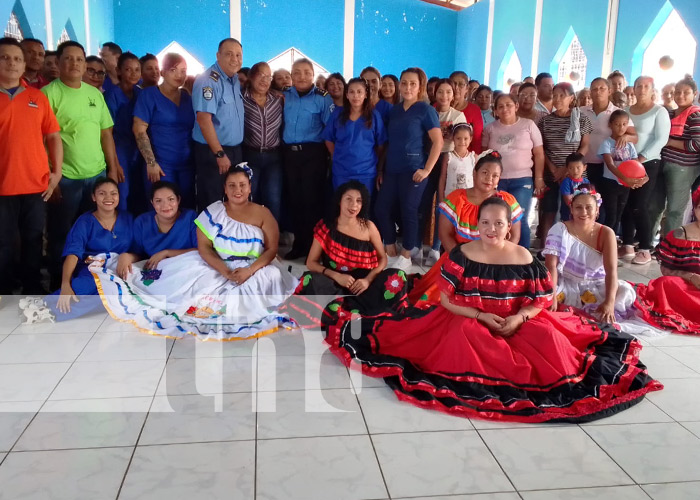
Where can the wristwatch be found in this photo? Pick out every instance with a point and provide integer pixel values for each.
(220, 154)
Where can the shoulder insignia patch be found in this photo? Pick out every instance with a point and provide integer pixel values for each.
(321, 91)
(208, 93)
(214, 75)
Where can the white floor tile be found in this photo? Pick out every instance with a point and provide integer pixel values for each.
(85, 324)
(693, 427)
(673, 491)
(97, 423)
(3, 336)
(185, 471)
(361, 382)
(688, 355)
(14, 418)
(673, 340)
(190, 347)
(109, 379)
(651, 452)
(644, 412)
(292, 343)
(208, 376)
(609, 493)
(289, 373)
(680, 399)
(43, 347)
(547, 458)
(67, 474)
(196, 418)
(30, 382)
(384, 413)
(112, 325)
(662, 367)
(479, 496)
(309, 413)
(125, 346)
(438, 463)
(318, 468)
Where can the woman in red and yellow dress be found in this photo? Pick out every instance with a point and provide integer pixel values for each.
(458, 222)
(672, 302)
(492, 349)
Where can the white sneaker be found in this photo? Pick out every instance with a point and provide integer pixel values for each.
(432, 258)
(403, 263)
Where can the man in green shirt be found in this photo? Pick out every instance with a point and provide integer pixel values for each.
(88, 146)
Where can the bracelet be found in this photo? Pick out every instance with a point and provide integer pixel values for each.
(477, 315)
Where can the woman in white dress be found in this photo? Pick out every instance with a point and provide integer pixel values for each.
(227, 290)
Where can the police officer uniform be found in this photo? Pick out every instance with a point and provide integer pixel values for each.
(305, 165)
(220, 95)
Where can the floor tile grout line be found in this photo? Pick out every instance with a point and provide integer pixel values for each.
(661, 348)
(500, 466)
(608, 454)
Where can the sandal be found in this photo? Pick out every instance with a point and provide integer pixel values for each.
(642, 257)
(625, 252)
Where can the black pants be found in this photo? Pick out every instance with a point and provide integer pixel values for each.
(637, 215)
(305, 176)
(25, 213)
(425, 212)
(614, 200)
(209, 183)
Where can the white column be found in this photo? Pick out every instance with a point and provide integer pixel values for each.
(489, 42)
(349, 39)
(610, 34)
(86, 12)
(235, 19)
(536, 38)
(49, 25)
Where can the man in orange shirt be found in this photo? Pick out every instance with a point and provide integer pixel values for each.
(26, 181)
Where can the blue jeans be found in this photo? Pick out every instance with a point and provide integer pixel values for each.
(521, 188)
(267, 178)
(399, 189)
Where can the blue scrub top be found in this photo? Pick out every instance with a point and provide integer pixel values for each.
(383, 107)
(305, 116)
(122, 110)
(220, 95)
(407, 132)
(169, 126)
(148, 240)
(88, 237)
(354, 153)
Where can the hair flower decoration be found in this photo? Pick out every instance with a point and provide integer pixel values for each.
(248, 171)
(588, 191)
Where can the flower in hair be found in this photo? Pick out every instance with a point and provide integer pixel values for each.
(488, 152)
(248, 171)
(591, 192)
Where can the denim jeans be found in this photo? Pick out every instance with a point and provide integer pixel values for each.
(678, 180)
(521, 188)
(401, 190)
(638, 212)
(267, 178)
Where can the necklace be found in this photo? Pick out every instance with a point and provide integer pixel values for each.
(105, 227)
(160, 229)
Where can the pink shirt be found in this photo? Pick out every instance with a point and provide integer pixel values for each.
(515, 143)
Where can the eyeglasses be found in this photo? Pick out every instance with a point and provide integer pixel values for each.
(265, 77)
(94, 72)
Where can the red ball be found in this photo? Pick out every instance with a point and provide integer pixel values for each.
(632, 169)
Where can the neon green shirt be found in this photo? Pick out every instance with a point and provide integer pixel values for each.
(82, 114)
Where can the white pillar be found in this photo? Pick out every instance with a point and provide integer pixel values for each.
(610, 34)
(536, 38)
(86, 13)
(349, 39)
(235, 19)
(489, 42)
(49, 25)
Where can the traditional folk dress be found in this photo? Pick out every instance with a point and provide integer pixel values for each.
(557, 367)
(185, 296)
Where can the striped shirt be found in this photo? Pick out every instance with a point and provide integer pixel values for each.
(263, 126)
(554, 128)
(689, 156)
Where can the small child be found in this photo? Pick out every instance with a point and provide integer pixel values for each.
(456, 171)
(619, 99)
(613, 192)
(575, 167)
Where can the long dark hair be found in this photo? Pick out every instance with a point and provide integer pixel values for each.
(366, 104)
(395, 98)
(331, 219)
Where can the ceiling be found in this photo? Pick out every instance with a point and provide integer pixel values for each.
(452, 4)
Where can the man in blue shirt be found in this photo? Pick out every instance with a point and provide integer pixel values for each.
(306, 111)
(218, 130)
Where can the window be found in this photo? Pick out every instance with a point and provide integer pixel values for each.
(64, 37)
(287, 58)
(512, 70)
(572, 67)
(13, 29)
(194, 67)
(675, 40)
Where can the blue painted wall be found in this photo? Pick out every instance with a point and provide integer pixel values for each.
(514, 21)
(395, 34)
(315, 27)
(33, 19)
(64, 10)
(101, 24)
(470, 45)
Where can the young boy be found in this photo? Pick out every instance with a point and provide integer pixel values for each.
(575, 167)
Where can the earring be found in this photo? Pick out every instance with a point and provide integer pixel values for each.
(508, 236)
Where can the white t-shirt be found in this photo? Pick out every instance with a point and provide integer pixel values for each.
(449, 119)
(460, 172)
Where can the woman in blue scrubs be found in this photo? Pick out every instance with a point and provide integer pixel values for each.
(355, 136)
(103, 231)
(120, 101)
(162, 123)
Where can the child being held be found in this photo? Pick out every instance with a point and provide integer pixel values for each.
(457, 167)
(575, 167)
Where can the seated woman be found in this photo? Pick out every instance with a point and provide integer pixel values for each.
(458, 221)
(226, 291)
(347, 258)
(103, 231)
(492, 349)
(672, 302)
(167, 231)
(581, 256)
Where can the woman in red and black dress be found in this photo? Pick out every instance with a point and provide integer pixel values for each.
(492, 349)
(672, 302)
(347, 258)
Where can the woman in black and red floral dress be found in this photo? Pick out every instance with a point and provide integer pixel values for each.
(347, 259)
(492, 349)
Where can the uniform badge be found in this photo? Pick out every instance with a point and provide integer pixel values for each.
(214, 76)
(32, 104)
(208, 93)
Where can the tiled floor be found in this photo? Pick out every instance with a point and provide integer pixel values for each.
(92, 409)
